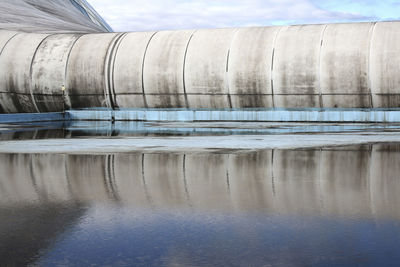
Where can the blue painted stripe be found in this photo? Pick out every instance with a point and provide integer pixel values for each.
(33, 117)
(192, 115)
(268, 115)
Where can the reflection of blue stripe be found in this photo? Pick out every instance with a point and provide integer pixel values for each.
(131, 128)
(134, 128)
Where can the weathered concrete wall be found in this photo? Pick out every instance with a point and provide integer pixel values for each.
(296, 66)
(87, 70)
(128, 70)
(308, 66)
(48, 71)
(15, 72)
(250, 65)
(384, 65)
(206, 78)
(163, 69)
(345, 65)
(5, 37)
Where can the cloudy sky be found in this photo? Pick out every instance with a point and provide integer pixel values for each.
(143, 15)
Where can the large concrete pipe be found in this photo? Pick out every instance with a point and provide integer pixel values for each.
(128, 70)
(307, 66)
(296, 66)
(250, 84)
(5, 37)
(48, 72)
(384, 65)
(15, 72)
(87, 70)
(344, 69)
(163, 69)
(206, 71)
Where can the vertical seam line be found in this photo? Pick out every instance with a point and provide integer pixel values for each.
(66, 69)
(371, 33)
(184, 68)
(272, 65)
(143, 62)
(106, 69)
(1, 52)
(113, 70)
(31, 70)
(227, 67)
(321, 102)
(4, 46)
(108, 66)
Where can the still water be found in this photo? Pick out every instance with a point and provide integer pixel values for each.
(318, 207)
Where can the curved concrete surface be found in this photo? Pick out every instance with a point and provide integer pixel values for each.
(163, 69)
(306, 66)
(128, 70)
(206, 77)
(48, 71)
(250, 65)
(87, 70)
(344, 66)
(15, 68)
(385, 65)
(5, 37)
(296, 66)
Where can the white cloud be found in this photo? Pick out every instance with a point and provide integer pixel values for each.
(138, 15)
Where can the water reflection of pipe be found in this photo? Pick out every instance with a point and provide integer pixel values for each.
(346, 181)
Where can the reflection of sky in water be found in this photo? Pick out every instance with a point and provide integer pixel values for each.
(110, 234)
(321, 207)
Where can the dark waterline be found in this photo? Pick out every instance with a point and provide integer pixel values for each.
(319, 207)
